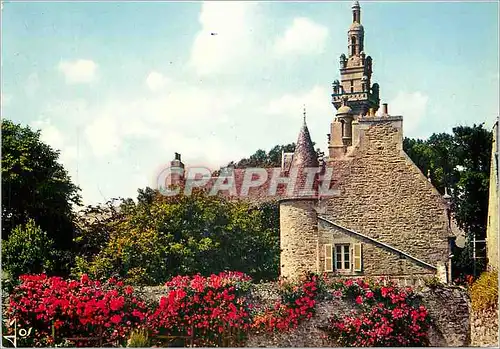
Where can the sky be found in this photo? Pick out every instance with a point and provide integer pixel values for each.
(119, 87)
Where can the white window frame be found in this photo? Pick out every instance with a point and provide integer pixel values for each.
(344, 248)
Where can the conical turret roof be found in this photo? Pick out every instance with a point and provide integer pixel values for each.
(304, 155)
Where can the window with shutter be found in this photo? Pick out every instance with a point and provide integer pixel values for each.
(342, 257)
(328, 258)
(357, 257)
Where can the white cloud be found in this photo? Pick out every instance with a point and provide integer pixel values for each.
(302, 37)
(103, 136)
(57, 139)
(225, 39)
(49, 133)
(412, 106)
(156, 81)
(291, 105)
(78, 71)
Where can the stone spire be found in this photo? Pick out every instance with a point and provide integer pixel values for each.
(304, 155)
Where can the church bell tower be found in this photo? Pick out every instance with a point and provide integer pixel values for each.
(356, 73)
(354, 97)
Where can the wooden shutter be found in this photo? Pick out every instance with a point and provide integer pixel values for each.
(357, 257)
(328, 258)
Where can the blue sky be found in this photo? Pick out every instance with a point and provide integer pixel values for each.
(118, 87)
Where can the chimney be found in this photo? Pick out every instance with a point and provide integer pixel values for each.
(177, 168)
(385, 110)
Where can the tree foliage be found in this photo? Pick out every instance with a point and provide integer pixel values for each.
(28, 250)
(35, 186)
(261, 158)
(160, 237)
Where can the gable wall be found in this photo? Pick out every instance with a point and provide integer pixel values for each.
(386, 197)
(376, 261)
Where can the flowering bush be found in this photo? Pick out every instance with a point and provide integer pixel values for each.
(297, 304)
(386, 316)
(212, 311)
(207, 308)
(82, 308)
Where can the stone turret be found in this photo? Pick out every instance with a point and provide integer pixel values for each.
(298, 219)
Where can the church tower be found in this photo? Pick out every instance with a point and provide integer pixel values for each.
(356, 72)
(354, 96)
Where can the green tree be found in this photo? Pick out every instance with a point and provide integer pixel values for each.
(271, 159)
(28, 250)
(155, 239)
(35, 186)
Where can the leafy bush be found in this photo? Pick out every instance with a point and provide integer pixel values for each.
(28, 250)
(484, 291)
(432, 282)
(161, 237)
(138, 339)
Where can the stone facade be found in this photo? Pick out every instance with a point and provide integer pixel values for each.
(493, 222)
(387, 198)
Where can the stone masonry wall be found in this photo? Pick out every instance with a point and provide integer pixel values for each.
(386, 197)
(484, 328)
(298, 237)
(449, 309)
(447, 306)
(376, 261)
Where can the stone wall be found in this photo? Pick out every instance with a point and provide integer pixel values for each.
(447, 306)
(376, 261)
(298, 237)
(386, 197)
(484, 328)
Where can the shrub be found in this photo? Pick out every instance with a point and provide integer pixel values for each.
(298, 301)
(27, 250)
(432, 282)
(138, 339)
(484, 291)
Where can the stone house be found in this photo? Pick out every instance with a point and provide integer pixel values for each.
(382, 217)
(387, 219)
